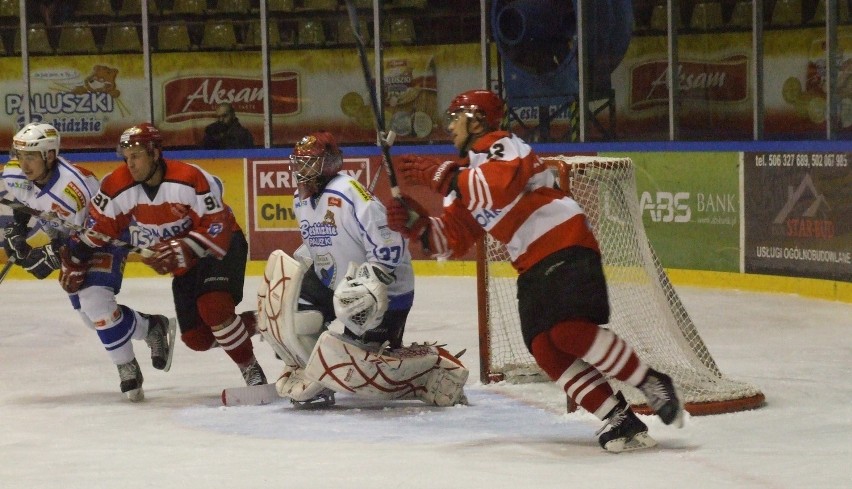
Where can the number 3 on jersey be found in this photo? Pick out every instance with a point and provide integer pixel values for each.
(390, 254)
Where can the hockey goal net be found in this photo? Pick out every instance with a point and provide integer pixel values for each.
(645, 309)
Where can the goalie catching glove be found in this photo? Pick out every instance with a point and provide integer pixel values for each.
(174, 256)
(361, 298)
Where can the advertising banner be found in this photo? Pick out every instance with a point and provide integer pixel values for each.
(311, 90)
(269, 195)
(690, 208)
(797, 215)
(716, 86)
(272, 221)
(229, 171)
(90, 100)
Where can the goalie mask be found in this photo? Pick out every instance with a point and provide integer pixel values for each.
(315, 160)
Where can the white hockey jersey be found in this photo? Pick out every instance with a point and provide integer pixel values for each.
(345, 223)
(67, 193)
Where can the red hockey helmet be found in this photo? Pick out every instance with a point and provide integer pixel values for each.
(145, 135)
(484, 105)
(316, 155)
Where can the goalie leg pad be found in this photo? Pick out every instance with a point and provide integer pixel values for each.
(277, 303)
(422, 372)
(294, 386)
(445, 385)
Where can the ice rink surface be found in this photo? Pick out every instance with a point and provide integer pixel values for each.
(65, 425)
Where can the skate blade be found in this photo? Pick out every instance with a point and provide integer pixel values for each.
(319, 402)
(253, 395)
(172, 333)
(135, 395)
(638, 442)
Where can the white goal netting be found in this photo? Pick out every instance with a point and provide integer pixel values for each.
(645, 309)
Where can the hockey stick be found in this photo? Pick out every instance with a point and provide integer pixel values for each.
(51, 217)
(384, 139)
(8, 266)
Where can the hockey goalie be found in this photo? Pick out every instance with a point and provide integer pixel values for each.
(320, 362)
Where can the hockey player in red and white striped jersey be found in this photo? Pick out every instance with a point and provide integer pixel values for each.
(42, 180)
(500, 186)
(177, 211)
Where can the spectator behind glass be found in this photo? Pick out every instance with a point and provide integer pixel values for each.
(226, 132)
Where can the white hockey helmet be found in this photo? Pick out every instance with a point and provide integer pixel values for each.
(36, 136)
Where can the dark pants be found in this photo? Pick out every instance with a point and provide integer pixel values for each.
(568, 284)
(210, 275)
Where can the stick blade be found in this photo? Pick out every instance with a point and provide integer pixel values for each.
(253, 395)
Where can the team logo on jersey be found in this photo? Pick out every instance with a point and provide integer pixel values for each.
(361, 190)
(76, 195)
(21, 184)
(179, 210)
(327, 270)
(215, 229)
(318, 234)
(329, 218)
(335, 202)
(60, 211)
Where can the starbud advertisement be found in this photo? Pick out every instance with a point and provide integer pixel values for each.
(797, 208)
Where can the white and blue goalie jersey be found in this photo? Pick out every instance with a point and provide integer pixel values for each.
(345, 223)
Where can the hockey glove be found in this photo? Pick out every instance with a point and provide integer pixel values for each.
(41, 261)
(424, 170)
(407, 217)
(72, 271)
(173, 256)
(15, 241)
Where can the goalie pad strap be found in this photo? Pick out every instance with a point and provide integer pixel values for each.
(423, 372)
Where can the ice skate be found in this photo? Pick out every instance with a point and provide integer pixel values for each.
(160, 339)
(131, 380)
(253, 374)
(324, 399)
(662, 397)
(626, 431)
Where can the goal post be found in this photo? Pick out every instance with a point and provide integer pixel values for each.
(645, 308)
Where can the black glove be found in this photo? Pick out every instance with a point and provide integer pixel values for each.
(15, 241)
(41, 261)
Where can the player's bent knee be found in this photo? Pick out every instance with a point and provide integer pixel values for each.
(198, 339)
(99, 305)
(216, 308)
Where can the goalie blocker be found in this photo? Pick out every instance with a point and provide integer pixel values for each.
(319, 362)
